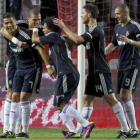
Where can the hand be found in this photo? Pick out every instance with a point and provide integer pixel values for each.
(124, 39)
(4, 32)
(59, 23)
(52, 72)
(22, 44)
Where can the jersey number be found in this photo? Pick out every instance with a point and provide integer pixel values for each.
(127, 82)
(98, 88)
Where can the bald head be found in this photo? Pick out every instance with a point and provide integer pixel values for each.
(33, 12)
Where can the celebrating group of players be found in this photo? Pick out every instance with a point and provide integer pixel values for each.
(24, 70)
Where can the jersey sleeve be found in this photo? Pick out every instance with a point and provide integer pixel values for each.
(87, 36)
(137, 32)
(114, 40)
(50, 38)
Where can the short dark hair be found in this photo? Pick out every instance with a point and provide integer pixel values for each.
(123, 7)
(33, 12)
(49, 22)
(92, 9)
(8, 15)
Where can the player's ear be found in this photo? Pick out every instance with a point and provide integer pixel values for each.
(89, 15)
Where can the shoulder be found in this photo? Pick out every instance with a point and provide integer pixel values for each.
(135, 24)
(97, 30)
(25, 32)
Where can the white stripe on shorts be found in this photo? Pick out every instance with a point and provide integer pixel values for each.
(133, 79)
(103, 84)
(65, 88)
(6, 72)
(36, 80)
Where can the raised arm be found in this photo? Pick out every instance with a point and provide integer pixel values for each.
(6, 34)
(35, 36)
(17, 42)
(74, 37)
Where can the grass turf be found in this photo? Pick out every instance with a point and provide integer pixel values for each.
(55, 134)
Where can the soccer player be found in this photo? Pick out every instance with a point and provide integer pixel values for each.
(34, 20)
(10, 71)
(28, 73)
(99, 83)
(67, 77)
(127, 38)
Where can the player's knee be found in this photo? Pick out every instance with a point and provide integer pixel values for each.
(88, 100)
(16, 97)
(110, 99)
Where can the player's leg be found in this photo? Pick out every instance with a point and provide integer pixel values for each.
(87, 101)
(10, 71)
(15, 105)
(68, 85)
(108, 95)
(128, 86)
(31, 84)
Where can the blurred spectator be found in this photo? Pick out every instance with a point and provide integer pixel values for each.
(16, 8)
(103, 7)
(132, 4)
(138, 11)
(28, 5)
(36, 4)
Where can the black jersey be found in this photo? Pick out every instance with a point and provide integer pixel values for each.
(26, 58)
(95, 46)
(9, 52)
(59, 53)
(129, 56)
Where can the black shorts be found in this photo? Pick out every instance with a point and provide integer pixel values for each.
(99, 85)
(65, 87)
(128, 79)
(10, 70)
(27, 80)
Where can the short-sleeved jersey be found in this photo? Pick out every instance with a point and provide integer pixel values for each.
(9, 52)
(129, 56)
(59, 54)
(95, 46)
(26, 58)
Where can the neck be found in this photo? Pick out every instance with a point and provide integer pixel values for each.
(92, 22)
(124, 23)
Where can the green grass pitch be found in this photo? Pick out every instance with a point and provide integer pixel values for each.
(55, 134)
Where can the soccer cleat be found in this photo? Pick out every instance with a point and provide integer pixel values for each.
(88, 130)
(122, 135)
(71, 135)
(8, 134)
(22, 135)
(133, 133)
(64, 132)
(3, 135)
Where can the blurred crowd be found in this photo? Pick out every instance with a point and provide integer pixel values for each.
(21, 8)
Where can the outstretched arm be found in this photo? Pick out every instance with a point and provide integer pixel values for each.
(109, 48)
(74, 37)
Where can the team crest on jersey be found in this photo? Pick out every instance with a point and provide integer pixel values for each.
(88, 46)
(127, 33)
(10, 82)
(17, 49)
